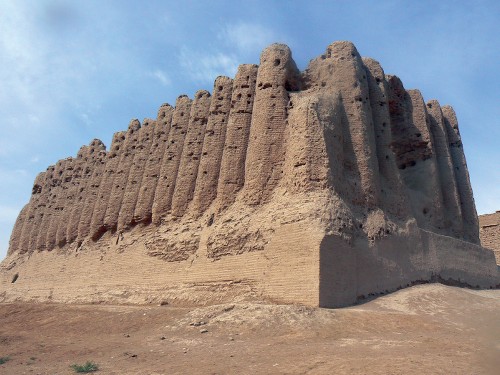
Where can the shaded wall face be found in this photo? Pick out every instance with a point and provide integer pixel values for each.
(337, 273)
(350, 274)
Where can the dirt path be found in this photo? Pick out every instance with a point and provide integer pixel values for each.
(424, 329)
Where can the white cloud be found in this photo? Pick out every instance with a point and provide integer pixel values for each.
(247, 37)
(206, 67)
(161, 76)
(86, 119)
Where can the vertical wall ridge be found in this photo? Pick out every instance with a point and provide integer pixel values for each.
(84, 218)
(60, 202)
(97, 227)
(121, 176)
(232, 168)
(391, 190)
(170, 163)
(69, 200)
(306, 161)
(91, 162)
(351, 81)
(205, 189)
(15, 236)
(328, 112)
(191, 153)
(140, 154)
(464, 188)
(413, 148)
(31, 220)
(452, 211)
(277, 73)
(30, 243)
(48, 227)
(144, 207)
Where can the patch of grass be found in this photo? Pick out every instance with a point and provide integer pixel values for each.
(4, 359)
(85, 368)
(31, 361)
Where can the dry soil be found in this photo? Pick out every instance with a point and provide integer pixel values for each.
(426, 329)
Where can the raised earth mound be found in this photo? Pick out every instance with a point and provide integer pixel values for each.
(320, 187)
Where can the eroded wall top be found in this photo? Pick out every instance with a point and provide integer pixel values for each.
(342, 126)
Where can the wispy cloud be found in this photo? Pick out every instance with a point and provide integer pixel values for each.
(206, 67)
(161, 76)
(247, 37)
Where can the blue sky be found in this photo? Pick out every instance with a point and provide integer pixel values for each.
(71, 71)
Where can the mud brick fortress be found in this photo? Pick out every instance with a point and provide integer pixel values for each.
(319, 187)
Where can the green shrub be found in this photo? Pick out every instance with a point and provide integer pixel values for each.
(87, 367)
(4, 359)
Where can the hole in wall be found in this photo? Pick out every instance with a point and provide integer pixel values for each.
(210, 220)
(14, 279)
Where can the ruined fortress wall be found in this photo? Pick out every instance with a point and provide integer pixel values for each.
(45, 239)
(398, 261)
(392, 194)
(144, 206)
(104, 183)
(468, 208)
(382, 147)
(295, 266)
(213, 145)
(266, 149)
(416, 161)
(232, 168)
(123, 169)
(376, 175)
(351, 82)
(33, 227)
(171, 158)
(107, 271)
(134, 179)
(85, 213)
(447, 178)
(191, 153)
(489, 231)
(89, 162)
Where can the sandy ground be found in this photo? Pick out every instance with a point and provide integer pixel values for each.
(426, 329)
